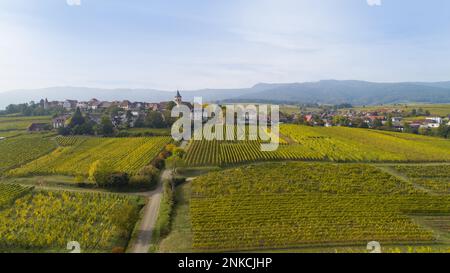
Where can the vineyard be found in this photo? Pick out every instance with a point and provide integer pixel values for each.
(76, 154)
(20, 123)
(10, 192)
(435, 178)
(337, 144)
(49, 220)
(282, 205)
(22, 149)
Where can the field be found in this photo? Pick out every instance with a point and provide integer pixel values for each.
(20, 123)
(289, 205)
(149, 131)
(47, 221)
(10, 192)
(433, 178)
(435, 109)
(22, 149)
(76, 154)
(338, 144)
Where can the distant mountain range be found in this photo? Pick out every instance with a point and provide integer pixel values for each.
(322, 92)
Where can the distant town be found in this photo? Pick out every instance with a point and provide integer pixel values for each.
(399, 118)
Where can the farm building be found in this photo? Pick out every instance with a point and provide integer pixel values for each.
(37, 127)
(59, 122)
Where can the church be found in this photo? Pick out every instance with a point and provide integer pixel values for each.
(178, 99)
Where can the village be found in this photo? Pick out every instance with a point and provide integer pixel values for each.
(122, 114)
(127, 114)
(393, 118)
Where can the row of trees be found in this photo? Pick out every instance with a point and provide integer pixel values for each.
(104, 175)
(31, 109)
(80, 125)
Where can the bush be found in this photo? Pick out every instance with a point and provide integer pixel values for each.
(179, 152)
(123, 134)
(139, 181)
(170, 148)
(149, 171)
(119, 180)
(178, 180)
(147, 177)
(100, 173)
(165, 211)
(158, 163)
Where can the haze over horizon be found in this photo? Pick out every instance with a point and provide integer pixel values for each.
(191, 45)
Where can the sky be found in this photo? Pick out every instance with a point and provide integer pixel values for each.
(195, 44)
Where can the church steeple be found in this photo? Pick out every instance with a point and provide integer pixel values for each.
(178, 98)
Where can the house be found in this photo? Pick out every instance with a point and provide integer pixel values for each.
(431, 124)
(104, 105)
(82, 105)
(138, 105)
(38, 127)
(93, 104)
(399, 127)
(373, 118)
(125, 105)
(424, 123)
(397, 119)
(435, 119)
(152, 106)
(55, 104)
(308, 118)
(60, 122)
(70, 104)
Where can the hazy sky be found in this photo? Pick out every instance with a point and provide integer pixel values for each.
(190, 44)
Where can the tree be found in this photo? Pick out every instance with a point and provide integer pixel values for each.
(106, 127)
(389, 121)
(168, 119)
(100, 173)
(179, 152)
(118, 179)
(361, 123)
(341, 120)
(170, 148)
(146, 177)
(154, 120)
(377, 123)
(444, 131)
(114, 110)
(173, 162)
(170, 105)
(77, 119)
(129, 117)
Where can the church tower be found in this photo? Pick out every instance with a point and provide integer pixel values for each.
(178, 98)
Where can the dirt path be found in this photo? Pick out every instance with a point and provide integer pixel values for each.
(404, 178)
(151, 210)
